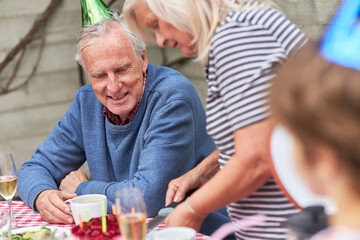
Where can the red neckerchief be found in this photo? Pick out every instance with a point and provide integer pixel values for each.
(115, 119)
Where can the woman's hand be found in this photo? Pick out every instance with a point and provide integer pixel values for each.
(182, 216)
(193, 179)
(178, 187)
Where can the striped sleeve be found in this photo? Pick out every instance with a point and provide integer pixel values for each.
(244, 51)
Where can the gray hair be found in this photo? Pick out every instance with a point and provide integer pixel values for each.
(97, 30)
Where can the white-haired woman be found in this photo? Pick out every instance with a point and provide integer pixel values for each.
(239, 43)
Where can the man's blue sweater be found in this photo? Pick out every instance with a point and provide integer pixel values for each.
(165, 139)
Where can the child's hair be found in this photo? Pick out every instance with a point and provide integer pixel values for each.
(319, 102)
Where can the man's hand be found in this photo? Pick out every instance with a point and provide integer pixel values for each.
(72, 181)
(52, 208)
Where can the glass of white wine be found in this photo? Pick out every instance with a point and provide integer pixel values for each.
(8, 182)
(131, 213)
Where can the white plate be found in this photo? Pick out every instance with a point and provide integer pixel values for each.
(58, 233)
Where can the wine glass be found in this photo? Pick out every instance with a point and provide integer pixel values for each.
(8, 182)
(131, 213)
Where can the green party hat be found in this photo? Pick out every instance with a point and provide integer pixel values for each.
(93, 11)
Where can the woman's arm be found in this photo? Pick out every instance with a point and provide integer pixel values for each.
(245, 172)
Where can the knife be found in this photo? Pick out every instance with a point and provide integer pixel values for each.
(164, 212)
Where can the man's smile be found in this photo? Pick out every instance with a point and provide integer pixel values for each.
(119, 97)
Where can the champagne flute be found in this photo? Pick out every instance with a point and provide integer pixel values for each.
(131, 213)
(8, 182)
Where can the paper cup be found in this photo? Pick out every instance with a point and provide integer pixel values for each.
(175, 233)
(90, 203)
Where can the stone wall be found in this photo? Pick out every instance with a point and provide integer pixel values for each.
(29, 114)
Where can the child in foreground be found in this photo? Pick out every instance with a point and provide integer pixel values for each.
(319, 103)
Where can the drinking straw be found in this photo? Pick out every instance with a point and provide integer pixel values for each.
(80, 220)
(86, 215)
(113, 209)
(133, 227)
(103, 217)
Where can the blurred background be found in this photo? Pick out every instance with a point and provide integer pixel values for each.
(39, 76)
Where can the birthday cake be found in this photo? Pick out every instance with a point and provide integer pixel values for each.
(92, 230)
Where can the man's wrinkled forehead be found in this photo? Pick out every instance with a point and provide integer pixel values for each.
(112, 34)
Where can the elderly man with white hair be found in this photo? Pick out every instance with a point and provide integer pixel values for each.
(136, 124)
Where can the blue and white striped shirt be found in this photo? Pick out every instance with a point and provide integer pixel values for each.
(244, 50)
